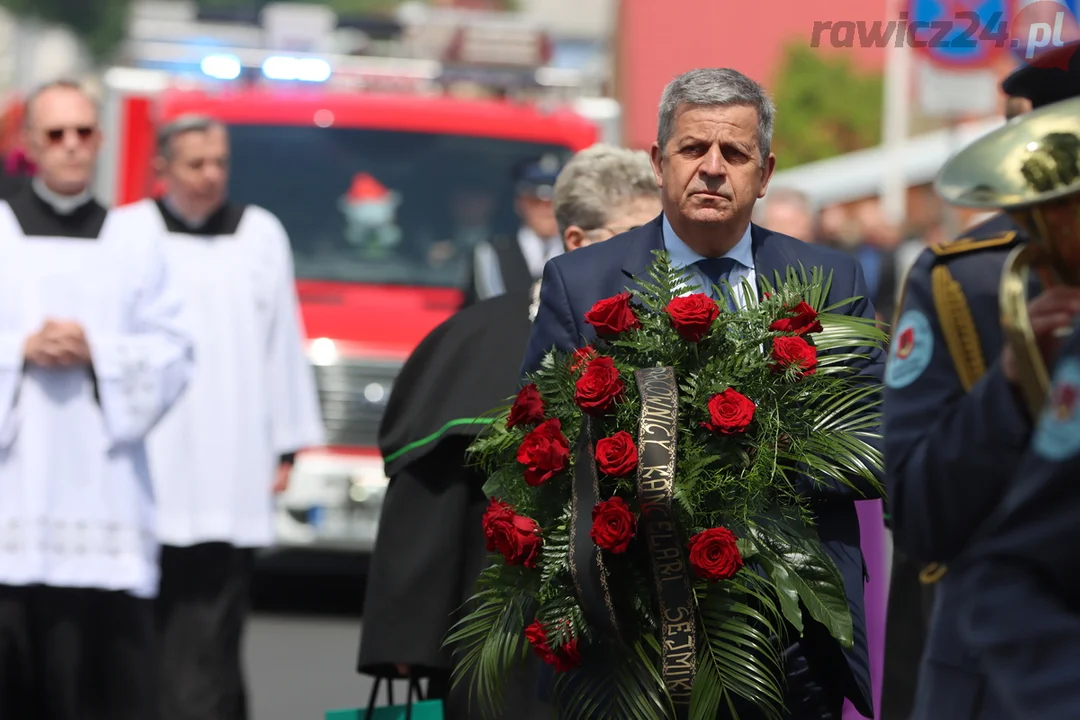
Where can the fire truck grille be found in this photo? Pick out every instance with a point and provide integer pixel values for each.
(353, 395)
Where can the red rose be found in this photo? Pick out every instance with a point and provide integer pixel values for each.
(544, 452)
(613, 316)
(528, 408)
(599, 387)
(793, 351)
(692, 316)
(580, 357)
(515, 537)
(565, 658)
(613, 525)
(804, 320)
(714, 554)
(730, 412)
(537, 637)
(617, 455)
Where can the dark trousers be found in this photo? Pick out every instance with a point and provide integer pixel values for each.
(202, 608)
(906, 626)
(76, 654)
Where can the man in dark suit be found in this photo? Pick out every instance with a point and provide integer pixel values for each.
(712, 160)
(1020, 591)
(955, 426)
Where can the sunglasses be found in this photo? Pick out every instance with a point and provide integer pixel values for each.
(56, 135)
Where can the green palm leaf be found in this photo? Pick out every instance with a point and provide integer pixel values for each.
(742, 631)
(614, 684)
(794, 549)
(489, 641)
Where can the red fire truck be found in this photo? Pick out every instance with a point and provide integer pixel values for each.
(381, 193)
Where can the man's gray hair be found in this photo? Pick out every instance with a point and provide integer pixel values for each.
(180, 126)
(598, 180)
(715, 87)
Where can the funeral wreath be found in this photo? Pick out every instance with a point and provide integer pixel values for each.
(648, 524)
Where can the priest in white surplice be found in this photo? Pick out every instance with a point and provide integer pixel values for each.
(225, 448)
(92, 354)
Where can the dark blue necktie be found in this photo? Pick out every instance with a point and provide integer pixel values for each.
(717, 269)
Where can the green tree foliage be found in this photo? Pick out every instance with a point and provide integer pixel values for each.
(825, 106)
(101, 24)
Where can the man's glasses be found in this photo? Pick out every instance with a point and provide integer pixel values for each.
(56, 135)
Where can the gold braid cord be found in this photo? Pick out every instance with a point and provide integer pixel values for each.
(958, 327)
(962, 340)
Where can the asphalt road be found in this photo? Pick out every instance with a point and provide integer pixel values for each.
(301, 645)
(299, 666)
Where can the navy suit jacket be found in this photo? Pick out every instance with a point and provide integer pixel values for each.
(1020, 615)
(573, 282)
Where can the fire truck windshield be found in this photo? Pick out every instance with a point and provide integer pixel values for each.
(376, 206)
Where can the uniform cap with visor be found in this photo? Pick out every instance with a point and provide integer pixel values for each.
(537, 177)
(1049, 77)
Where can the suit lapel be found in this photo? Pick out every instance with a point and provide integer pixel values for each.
(769, 257)
(639, 255)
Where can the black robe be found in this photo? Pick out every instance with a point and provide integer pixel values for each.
(430, 545)
(463, 370)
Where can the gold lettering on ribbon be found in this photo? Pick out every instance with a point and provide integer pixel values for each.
(658, 431)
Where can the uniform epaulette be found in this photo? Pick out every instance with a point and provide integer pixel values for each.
(968, 243)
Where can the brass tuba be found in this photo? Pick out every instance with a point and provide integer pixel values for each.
(1030, 169)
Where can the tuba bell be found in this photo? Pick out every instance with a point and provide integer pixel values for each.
(1030, 169)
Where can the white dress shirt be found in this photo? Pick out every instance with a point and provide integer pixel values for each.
(684, 257)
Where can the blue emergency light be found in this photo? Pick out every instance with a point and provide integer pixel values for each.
(281, 67)
(221, 67)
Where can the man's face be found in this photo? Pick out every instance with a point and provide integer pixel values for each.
(711, 170)
(789, 219)
(1016, 106)
(197, 172)
(62, 139)
(538, 214)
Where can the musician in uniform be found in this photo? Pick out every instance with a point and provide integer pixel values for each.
(955, 425)
(1019, 578)
(910, 599)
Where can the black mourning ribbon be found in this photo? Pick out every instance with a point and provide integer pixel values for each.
(586, 559)
(657, 434)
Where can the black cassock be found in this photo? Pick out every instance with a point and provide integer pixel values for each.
(430, 545)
